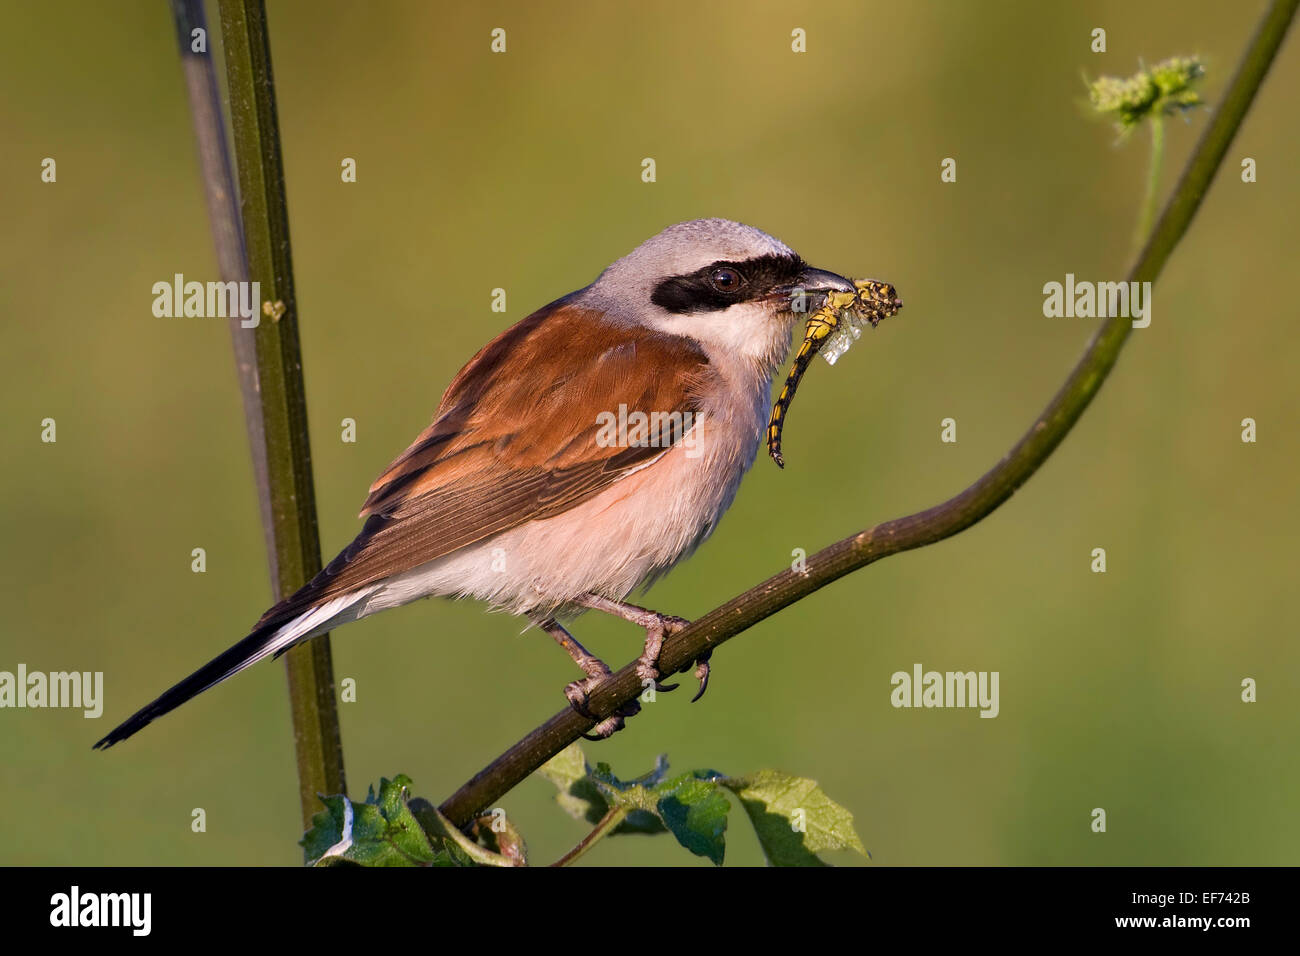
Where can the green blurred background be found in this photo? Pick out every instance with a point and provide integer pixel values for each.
(1119, 691)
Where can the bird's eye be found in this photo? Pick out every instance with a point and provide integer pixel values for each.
(725, 280)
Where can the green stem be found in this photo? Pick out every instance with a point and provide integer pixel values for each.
(602, 829)
(227, 234)
(1148, 210)
(282, 393)
(942, 521)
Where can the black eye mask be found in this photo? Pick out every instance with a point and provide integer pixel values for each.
(697, 292)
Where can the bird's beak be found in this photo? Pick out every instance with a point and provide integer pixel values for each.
(814, 282)
(819, 280)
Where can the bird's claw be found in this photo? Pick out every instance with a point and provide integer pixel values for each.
(614, 722)
(605, 729)
(702, 674)
(578, 693)
(647, 671)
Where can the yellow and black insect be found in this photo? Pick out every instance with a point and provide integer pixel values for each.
(832, 328)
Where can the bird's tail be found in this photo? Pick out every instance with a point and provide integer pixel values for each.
(272, 637)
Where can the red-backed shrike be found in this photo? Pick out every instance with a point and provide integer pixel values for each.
(579, 455)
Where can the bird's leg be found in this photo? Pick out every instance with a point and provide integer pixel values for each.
(578, 691)
(657, 627)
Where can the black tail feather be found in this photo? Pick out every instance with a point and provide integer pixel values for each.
(214, 672)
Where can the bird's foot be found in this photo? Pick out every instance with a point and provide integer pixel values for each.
(578, 693)
(657, 627)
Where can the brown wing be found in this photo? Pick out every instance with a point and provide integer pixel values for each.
(514, 442)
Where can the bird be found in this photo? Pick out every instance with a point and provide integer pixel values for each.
(577, 457)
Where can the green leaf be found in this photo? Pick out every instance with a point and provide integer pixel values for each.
(380, 832)
(640, 821)
(578, 795)
(618, 793)
(587, 794)
(639, 797)
(793, 817)
(695, 812)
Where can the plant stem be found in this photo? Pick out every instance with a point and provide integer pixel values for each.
(227, 233)
(602, 829)
(282, 394)
(944, 520)
(1148, 210)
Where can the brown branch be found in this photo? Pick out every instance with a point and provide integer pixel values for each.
(941, 521)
